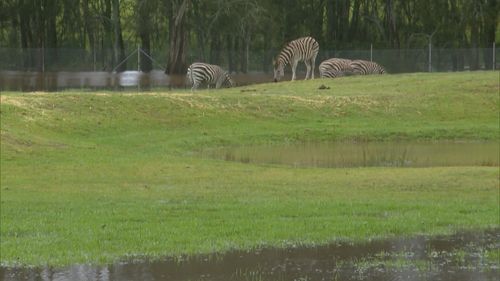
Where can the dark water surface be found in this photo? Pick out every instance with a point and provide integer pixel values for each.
(132, 80)
(459, 257)
(369, 154)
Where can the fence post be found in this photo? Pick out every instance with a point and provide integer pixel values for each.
(494, 53)
(430, 56)
(138, 59)
(138, 68)
(371, 51)
(95, 58)
(43, 58)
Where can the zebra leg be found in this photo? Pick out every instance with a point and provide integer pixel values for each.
(294, 67)
(313, 63)
(195, 86)
(308, 66)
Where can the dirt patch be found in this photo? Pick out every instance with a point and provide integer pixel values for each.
(15, 101)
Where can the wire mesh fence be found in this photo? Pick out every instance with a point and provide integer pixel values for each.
(54, 69)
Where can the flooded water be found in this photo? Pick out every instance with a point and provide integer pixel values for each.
(464, 256)
(370, 154)
(55, 81)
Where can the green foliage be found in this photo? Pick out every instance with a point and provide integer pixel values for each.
(215, 28)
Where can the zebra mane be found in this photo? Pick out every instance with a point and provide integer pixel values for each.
(284, 55)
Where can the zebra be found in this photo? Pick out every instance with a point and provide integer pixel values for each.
(363, 67)
(199, 72)
(335, 67)
(302, 49)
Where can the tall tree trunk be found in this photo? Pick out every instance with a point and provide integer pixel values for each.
(489, 28)
(25, 10)
(390, 24)
(177, 10)
(330, 23)
(118, 47)
(89, 26)
(144, 28)
(40, 36)
(200, 20)
(215, 49)
(107, 42)
(50, 10)
(353, 30)
(230, 53)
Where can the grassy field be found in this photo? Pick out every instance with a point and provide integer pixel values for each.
(92, 177)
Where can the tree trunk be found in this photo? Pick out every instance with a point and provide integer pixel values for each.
(119, 52)
(25, 10)
(107, 41)
(89, 27)
(230, 53)
(215, 49)
(177, 10)
(144, 27)
(50, 10)
(200, 20)
(488, 34)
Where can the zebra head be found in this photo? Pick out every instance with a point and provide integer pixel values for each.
(279, 70)
(229, 82)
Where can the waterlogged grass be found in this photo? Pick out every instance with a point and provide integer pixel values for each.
(96, 177)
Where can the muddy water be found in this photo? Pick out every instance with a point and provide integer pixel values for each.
(131, 80)
(391, 154)
(463, 256)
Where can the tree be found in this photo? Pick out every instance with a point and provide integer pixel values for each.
(177, 14)
(118, 47)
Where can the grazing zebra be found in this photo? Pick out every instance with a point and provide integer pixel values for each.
(305, 48)
(198, 73)
(364, 67)
(335, 67)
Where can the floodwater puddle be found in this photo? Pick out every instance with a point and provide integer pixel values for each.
(56, 81)
(369, 154)
(459, 257)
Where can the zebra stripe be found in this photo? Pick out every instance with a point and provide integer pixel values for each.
(199, 72)
(335, 67)
(363, 67)
(302, 49)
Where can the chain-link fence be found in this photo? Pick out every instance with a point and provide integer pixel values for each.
(55, 69)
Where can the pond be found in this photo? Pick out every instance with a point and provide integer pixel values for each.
(364, 154)
(127, 80)
(459, 257)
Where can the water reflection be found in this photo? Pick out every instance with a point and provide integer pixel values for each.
(55, 81)
(460, 257)
(390, 154)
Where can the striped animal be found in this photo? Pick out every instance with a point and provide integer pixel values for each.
(363, 67)
(335, 67)
(199, 73)
(302, 49)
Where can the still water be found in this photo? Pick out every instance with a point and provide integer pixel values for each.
(369, 154)
(131, 80)
(466, 256)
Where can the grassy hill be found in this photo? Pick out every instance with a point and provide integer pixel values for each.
(99, 176)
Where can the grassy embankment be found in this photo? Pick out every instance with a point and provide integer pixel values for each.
(95, 177)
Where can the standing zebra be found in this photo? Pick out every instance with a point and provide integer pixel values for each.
(305, 48)
(364, 67)
(199, 72)
(335, 67)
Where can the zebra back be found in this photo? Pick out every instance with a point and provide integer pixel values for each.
(335, 67)
(199, 73)
(304, 48)
(364, 67)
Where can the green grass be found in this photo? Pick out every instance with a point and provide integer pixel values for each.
(97, 177)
